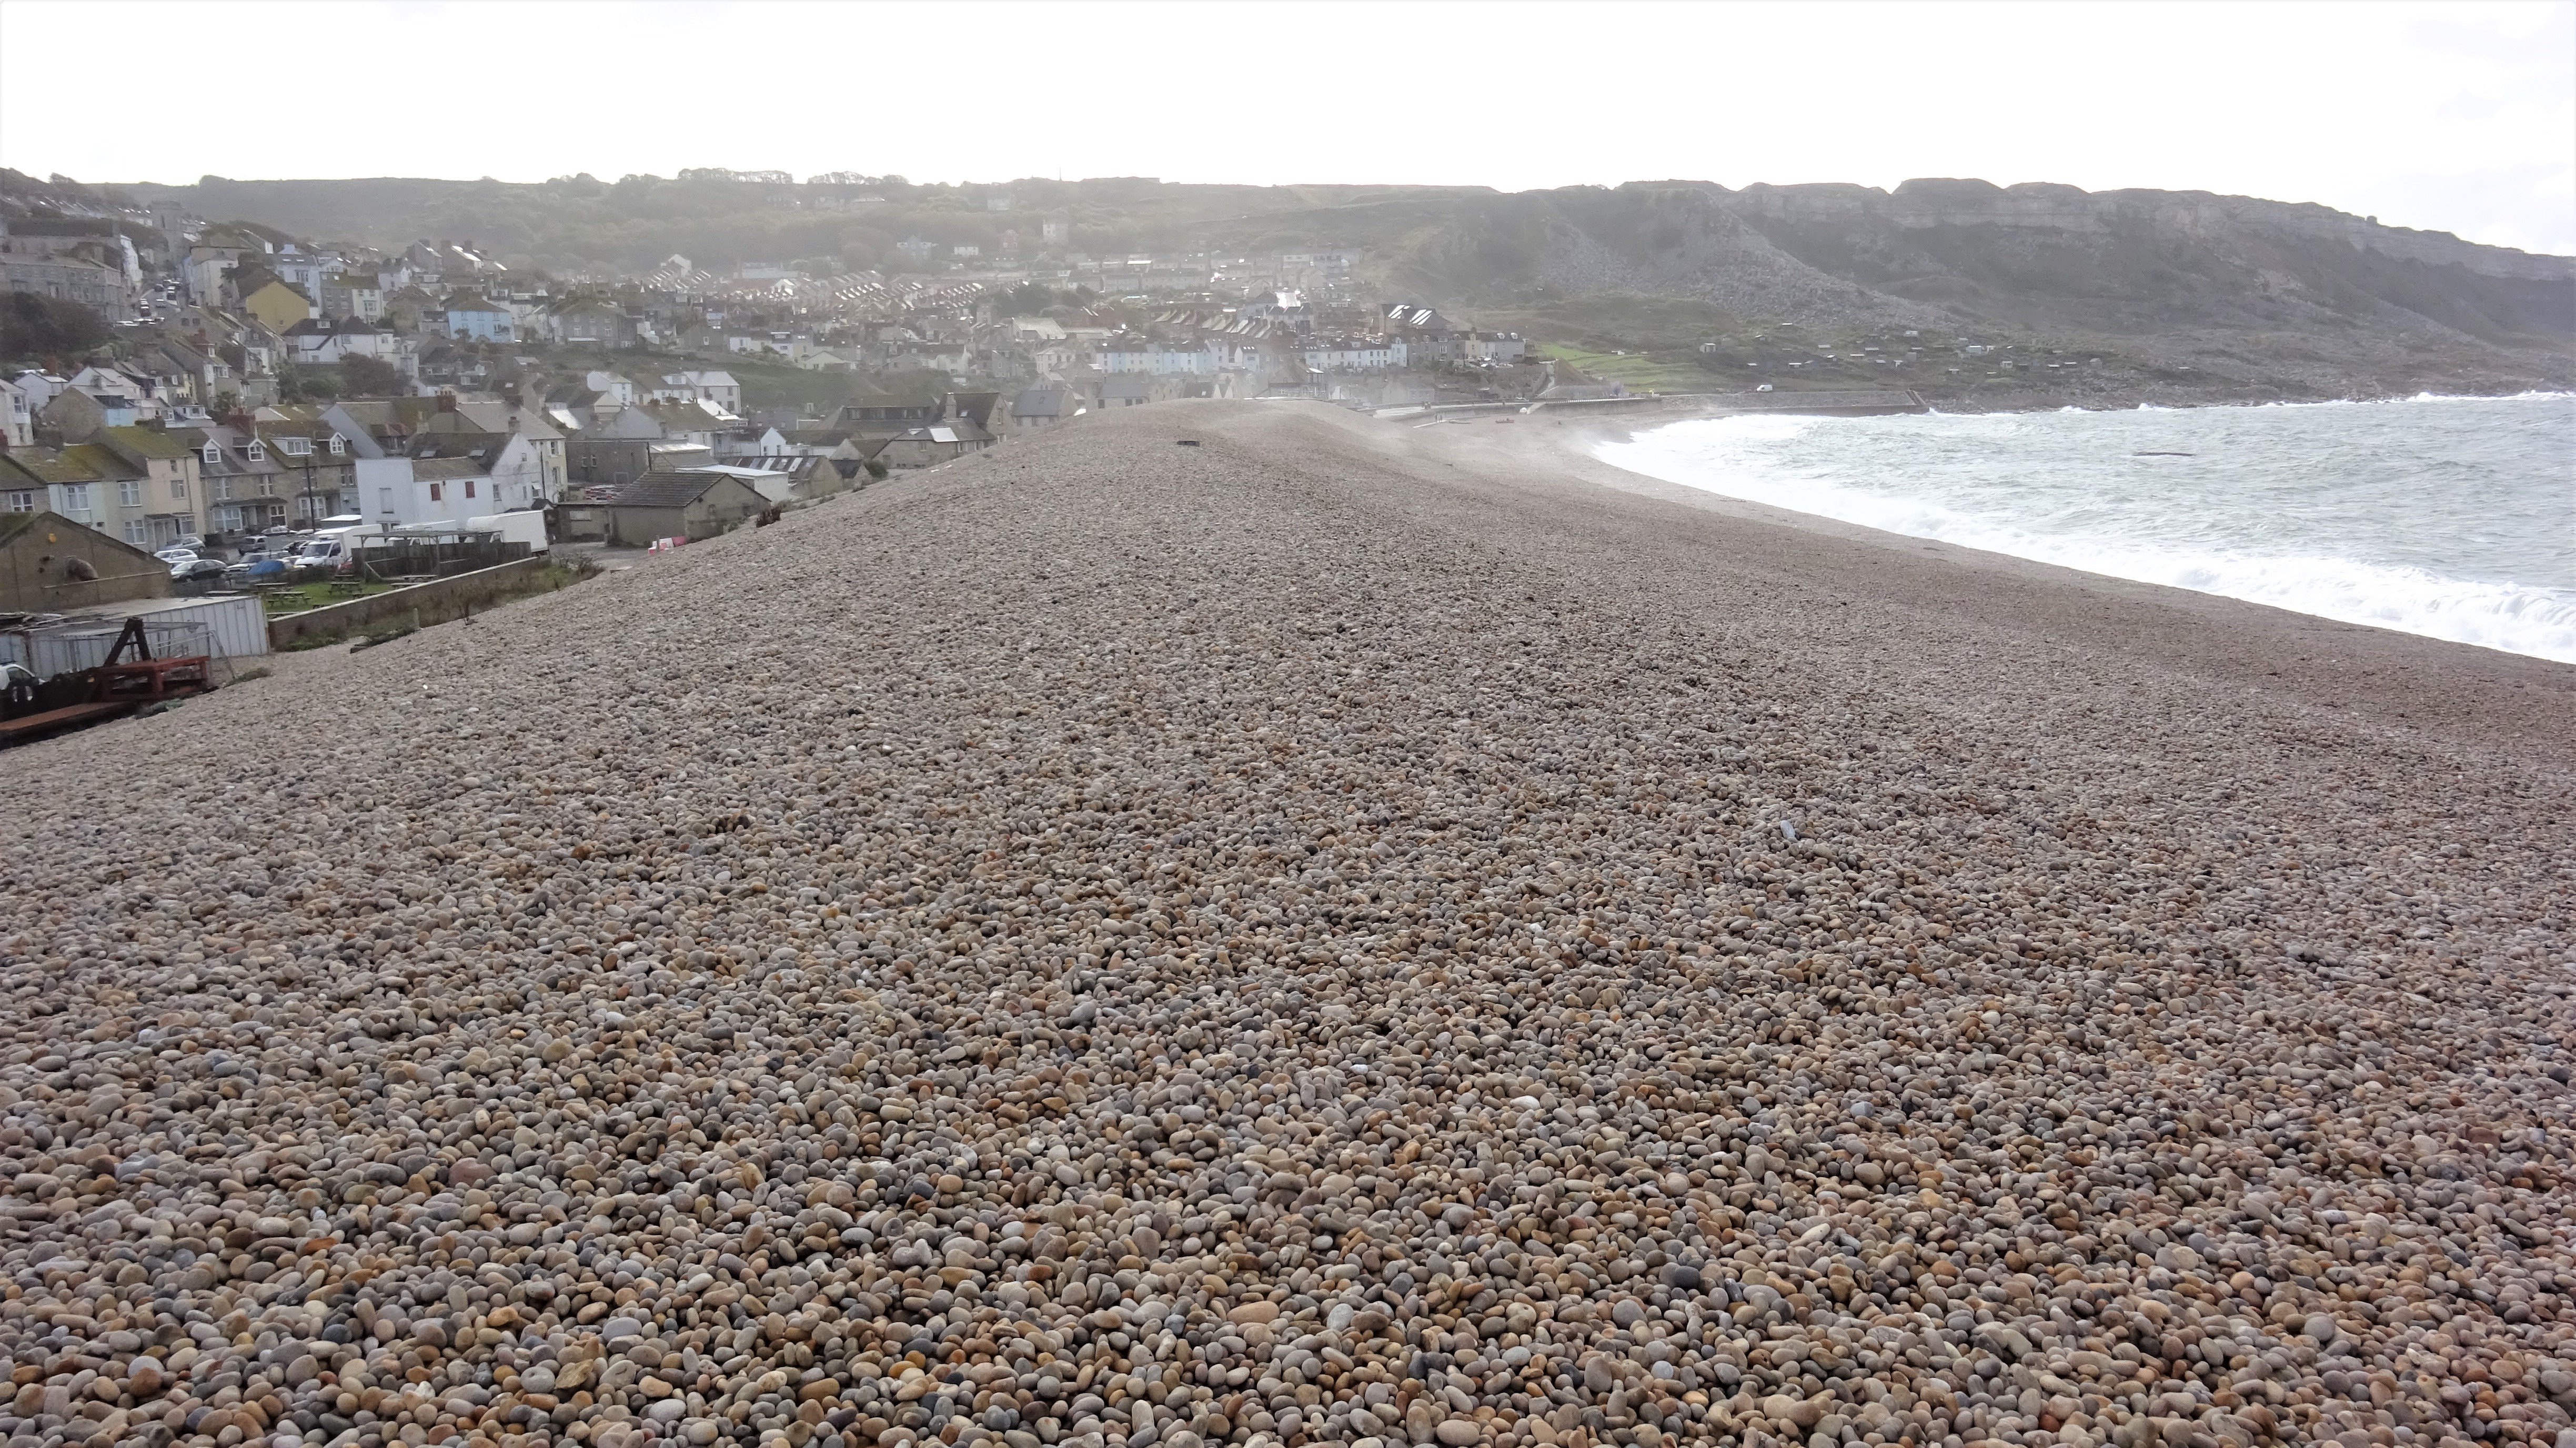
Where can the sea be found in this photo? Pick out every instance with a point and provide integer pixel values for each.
(2450, 517)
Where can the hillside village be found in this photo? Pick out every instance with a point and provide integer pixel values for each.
(166, 374)
(241, 381)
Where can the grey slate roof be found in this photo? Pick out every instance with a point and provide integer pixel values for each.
(657, 490)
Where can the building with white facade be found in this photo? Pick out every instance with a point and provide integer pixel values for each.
(1354, 354)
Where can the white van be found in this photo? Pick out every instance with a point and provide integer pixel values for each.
(527, 526)
(332, 550)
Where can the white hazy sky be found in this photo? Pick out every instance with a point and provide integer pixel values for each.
(2458, 117)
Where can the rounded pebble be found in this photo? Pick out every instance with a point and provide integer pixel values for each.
(1287, 944)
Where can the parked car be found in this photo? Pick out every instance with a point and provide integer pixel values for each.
(196, 568)
(256, 569)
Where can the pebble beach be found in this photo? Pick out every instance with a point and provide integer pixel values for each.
(1334, 934)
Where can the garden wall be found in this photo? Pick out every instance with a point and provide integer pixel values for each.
(437, 600)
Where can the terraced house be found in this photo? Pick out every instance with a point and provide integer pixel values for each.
(172, 495)
(127, 489)
(53, 480)
(247, 490)
(318, 463)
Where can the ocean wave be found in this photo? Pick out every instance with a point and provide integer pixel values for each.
(2515, 618)
(2482, 397)
(2276, 521)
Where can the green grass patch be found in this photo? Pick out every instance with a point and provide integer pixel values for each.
(316, 595)
(1642, 371)
(449, 605)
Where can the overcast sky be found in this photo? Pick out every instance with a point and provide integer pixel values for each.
(2458, 117)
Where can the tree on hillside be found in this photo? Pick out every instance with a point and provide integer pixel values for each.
(306, 384)
(366, 377)
(1027, 300)
(33, 326)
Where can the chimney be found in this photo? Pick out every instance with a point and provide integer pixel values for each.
(447, 402)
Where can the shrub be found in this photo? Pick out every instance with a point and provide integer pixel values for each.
(34, 325)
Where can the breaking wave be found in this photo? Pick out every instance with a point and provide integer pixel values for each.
(2454, 518)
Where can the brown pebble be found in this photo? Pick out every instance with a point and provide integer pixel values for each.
(1280, 951)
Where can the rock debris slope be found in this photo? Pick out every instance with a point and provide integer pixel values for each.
(1280, 942)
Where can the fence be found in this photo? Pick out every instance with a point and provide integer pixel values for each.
(409, 559)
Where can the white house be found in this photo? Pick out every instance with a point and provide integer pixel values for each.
(302, 271)
(765, 442)
(514, 466)
(717, 387)
(1158, 359)
(610, 384)
(794, 346)
(39, 388)
(314, 342)
(17, 416)
(1354, 354)
(1236, 354)
(205, 270)
(109, 385)
(405, 491)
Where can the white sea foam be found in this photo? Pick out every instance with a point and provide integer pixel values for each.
(2449, 522)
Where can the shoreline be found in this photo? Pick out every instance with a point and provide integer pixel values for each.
(2248, 638)
(1577, 444)
(1689, 407)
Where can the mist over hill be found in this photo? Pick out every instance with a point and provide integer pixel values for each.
(2311, 299)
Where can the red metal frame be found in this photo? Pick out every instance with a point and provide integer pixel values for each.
(148, 680)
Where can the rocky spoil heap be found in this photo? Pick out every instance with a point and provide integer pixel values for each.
(1263, 946)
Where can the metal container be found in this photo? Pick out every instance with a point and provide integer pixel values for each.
(223, 626)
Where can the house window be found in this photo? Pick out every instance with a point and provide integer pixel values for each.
(223, 489)
(76, 502)
(130, 493)
(22, 502)
(255, 452)
(434, 494)
(134, 532)
(469, 487)
(339, 445)
(178, 490)
(296, 447)
(214, 454)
